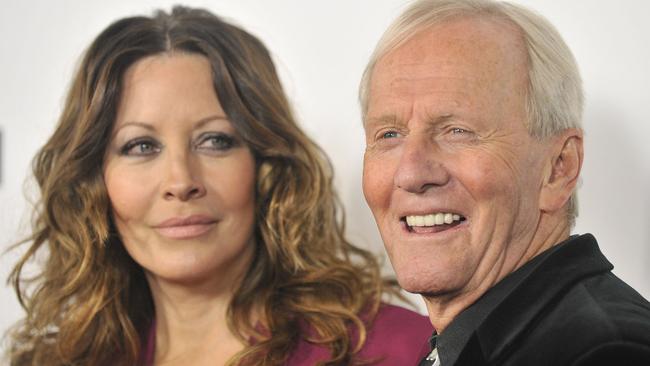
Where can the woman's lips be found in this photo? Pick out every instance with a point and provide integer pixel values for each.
(185, 231)
(186, 228)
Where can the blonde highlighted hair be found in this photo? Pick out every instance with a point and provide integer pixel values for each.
(554, 97)
(90, 303)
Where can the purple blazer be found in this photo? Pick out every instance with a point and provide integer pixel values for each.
(397, 337)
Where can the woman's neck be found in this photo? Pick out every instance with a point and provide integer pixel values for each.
(191, 324)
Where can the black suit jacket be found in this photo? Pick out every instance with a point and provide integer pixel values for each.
(564, 307)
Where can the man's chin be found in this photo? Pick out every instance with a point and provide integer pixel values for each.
(431, 293)
(417, 286)
(427, 287)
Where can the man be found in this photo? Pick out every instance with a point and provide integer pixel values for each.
(472, 113)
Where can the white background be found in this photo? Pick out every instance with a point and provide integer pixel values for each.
(321, 48)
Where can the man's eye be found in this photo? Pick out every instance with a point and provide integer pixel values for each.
(389, 134)
(218, 142)
(458, 130)
(140, 147)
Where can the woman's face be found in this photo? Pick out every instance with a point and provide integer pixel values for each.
(179, 177)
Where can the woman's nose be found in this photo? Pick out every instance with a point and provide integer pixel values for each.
(183, 179)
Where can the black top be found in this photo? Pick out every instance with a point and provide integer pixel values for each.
(564, 307)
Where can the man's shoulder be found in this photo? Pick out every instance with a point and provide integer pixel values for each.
(599, 318)
(579, 293)
(576, 310)
(606, 306)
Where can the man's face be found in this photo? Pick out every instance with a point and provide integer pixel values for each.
(451, 173)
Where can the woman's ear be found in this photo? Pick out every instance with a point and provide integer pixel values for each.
(564, 165)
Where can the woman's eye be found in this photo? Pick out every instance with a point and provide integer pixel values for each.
(140, 147)
(219, 141)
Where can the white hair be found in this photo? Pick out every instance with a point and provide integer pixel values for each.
(554, 98)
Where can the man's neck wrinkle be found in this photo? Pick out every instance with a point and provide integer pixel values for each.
(443, 309)
(547, 235)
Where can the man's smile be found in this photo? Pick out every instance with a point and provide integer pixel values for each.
(432, 222)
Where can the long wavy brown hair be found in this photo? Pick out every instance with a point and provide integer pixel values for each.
(89, 303)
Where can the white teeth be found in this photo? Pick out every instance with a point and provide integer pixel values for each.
(429, 220)
(439, 218)
(419, 221)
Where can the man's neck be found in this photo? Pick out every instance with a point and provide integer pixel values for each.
(444, 308)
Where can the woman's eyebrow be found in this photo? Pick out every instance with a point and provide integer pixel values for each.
(144, 125)
(149, 126)
(203, 121)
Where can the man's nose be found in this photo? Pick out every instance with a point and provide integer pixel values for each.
(419, 166)
(182, 178)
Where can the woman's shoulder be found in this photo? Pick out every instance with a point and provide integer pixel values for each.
(392, 318)
(397, 336)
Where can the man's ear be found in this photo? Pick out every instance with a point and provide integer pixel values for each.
(563, 169)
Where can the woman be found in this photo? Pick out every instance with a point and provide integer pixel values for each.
(188, 220)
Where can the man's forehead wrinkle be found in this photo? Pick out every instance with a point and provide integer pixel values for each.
(436, 118)
(406, 86)
(442, 101)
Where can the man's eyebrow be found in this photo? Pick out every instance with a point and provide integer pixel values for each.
(388, 119)
(391, 119)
